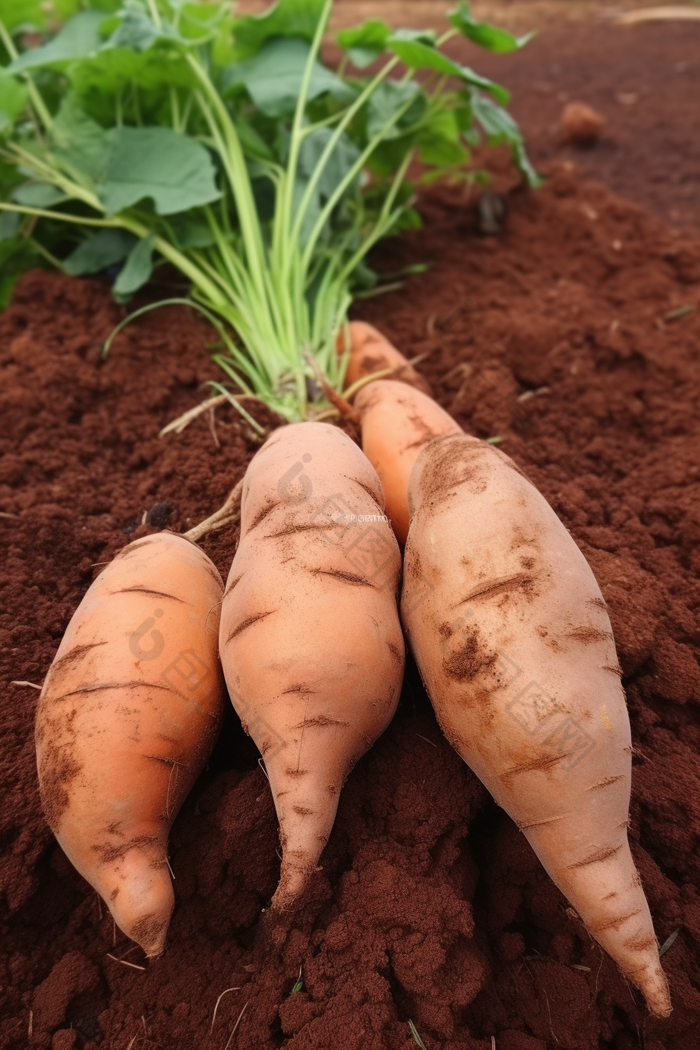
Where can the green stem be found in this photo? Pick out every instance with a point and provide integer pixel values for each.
(186, 110)
(34, 94)
(55, 177)
(8, 42)
(44, 213)
(383, 223)
(155, 13)
(208, 268)
(56, 263)
(450, 34)
(364, 95)
(137, 104)
(175, 109)
(239, 408)
(327, 122)
(350, 175)
(125, 223)
(236, 170)
(283, 214)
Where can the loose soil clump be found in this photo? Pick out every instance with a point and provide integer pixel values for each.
(570, 337)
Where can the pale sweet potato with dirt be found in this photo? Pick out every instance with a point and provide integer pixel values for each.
(311, 642)
(127, 718)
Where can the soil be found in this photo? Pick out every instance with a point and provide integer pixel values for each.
(644, 82)
(573, 335)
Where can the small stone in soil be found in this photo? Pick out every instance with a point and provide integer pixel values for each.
(580, 124)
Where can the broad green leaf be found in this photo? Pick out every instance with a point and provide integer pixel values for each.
(420, 55)
(409, 36)
(114, 69)
(390, 96)
(341, 160)
(102, 249)
(13, 95)
(289, 18)
(176, 172)
(273, 77)
(199, 20)
(390, 154)
(128, 164)
(252, 142)
(80, 36)
(9, 224)
(409, 219)
(77, 140)
(17, 255)
(439, 142)
(485, 35)
(137, 31)
(364, 43)
(363, 277)
(34, 14)
(191, 232)
(137, 269)
(38, 195)
(500, 127)
(10, 178)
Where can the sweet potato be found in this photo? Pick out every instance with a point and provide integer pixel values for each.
(127, 717)
(311, 642)
(513, 640)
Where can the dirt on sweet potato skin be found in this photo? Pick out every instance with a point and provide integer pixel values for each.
(430, 904)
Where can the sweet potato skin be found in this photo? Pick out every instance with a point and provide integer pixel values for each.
(397, 422)
(311, 642)
(513, 641)
(126, 720)
(370, 351)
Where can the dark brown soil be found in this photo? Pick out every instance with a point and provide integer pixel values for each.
(557, 337)
(643, 81)
(571, 337)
